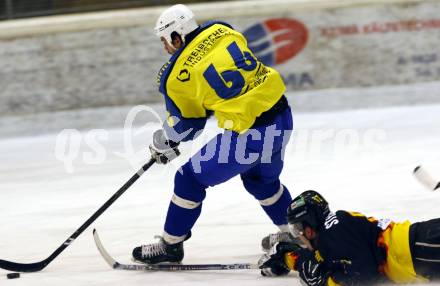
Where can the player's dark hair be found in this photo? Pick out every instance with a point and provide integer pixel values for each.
(175, 35)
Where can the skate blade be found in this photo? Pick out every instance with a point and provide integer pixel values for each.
(160, 263)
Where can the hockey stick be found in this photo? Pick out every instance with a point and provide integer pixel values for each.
(425, 178)
(166, 267)
(37, 266)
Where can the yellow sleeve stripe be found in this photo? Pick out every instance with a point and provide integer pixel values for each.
(356, 214)
(331, 282)
(290, 260)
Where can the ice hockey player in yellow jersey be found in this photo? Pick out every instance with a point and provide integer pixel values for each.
(213, 72)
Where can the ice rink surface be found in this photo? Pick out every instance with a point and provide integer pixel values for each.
(359, 160)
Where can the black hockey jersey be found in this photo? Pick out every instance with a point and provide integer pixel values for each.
(348, 247)
(356, 250)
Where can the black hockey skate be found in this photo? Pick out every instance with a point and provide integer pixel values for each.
(268, 241)
(159, 252)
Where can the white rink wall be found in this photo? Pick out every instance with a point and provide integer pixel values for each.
(111, 58)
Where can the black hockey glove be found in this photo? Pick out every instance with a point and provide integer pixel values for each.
(163, 149)
(310, 271)
(272, 263)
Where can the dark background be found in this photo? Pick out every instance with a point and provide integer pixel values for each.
(12, 9)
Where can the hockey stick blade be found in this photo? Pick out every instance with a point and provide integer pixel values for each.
(165, 267)
(110, 261)
(23, 267)
(425, 178)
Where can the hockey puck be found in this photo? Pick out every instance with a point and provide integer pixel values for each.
(13, 275)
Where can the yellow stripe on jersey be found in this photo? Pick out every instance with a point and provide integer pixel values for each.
(217, 71)
(358, 214)
(331, 282)
(399, 266)
(290, 259)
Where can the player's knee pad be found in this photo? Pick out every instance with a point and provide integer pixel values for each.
(259, 187)
(252, 184)
(188, 191)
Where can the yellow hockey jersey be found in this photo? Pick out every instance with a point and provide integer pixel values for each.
(215, 72)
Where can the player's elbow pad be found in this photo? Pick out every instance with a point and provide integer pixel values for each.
(185, 129)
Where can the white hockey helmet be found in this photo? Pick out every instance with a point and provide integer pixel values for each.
(178, 18)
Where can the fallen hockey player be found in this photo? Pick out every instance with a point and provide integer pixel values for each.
(351, 249)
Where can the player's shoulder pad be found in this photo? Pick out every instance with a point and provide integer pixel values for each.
(342, 213)
(348, 216)
(358, 215)
(354, 214)
(213, 22)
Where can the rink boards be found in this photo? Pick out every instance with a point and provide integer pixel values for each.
(112, 58)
